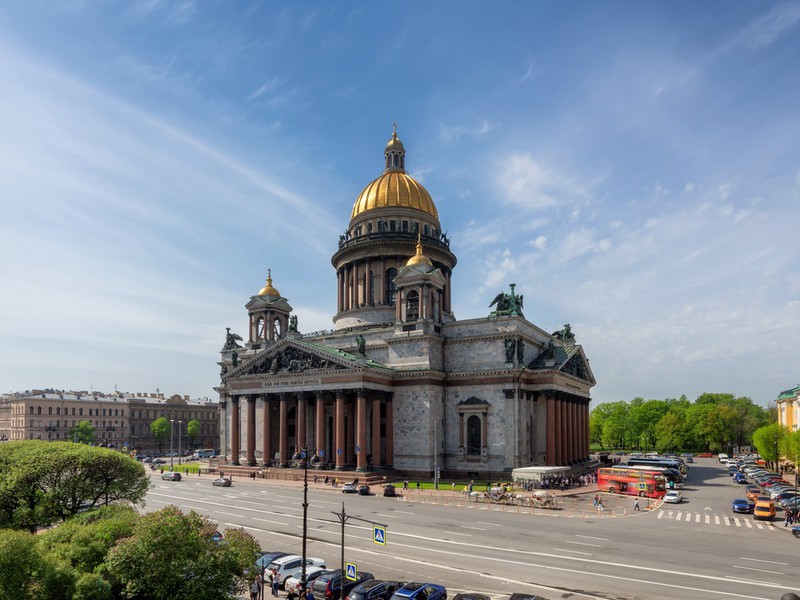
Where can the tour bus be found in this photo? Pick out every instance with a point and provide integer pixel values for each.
(660, 462)
(205, 453)
(630, 481)
(672, 477)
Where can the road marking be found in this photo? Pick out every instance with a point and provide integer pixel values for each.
(748, 523)
(405, 512)
(582, 544)
(475, 528)
(754, 569)
(246, 527)
(708, 519)
(688, 517)
(485, 523)
(386, 516)
(660, 514)
(268, 521)
(735, 520)
(573, 551)
(697, 518)
(669, 514)
(591, 537)
(771, 562)
(759, 525)
(459, 533)
(219, 512)
(716, 519)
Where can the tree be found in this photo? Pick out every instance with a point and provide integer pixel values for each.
(193, 431)
(615, 425)
(160, 428)
(790, 448)
(173, 556)
(768, 440)
(83, 433)
(669, 433)
(27, 574)
(43, 482)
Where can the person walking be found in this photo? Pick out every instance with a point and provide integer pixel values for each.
(276, 582)
(636, 504)
(255, 589)
(309, 594)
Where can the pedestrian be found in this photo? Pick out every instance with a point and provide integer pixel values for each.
(418, 485)
(405, 484)
(275, 582)
(309, 594)
(470, 486)
(255, 589)
(453, 486)
(315, 478)
(636, 504)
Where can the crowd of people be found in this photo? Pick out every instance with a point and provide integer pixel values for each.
(557, 482)
(273, 581)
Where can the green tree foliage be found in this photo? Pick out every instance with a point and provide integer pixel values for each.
(173, 556)
(768, 440)
(193, 431)
(83, 433)
(27, 574)
(160, 428)
(43, 482)
(713, 422)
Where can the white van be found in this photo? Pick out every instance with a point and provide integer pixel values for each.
(723, 457)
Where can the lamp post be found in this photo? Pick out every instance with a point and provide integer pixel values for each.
(171, 436)
(180, 423)
(303, 578)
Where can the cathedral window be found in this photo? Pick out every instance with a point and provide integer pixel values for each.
(73, 411)
(260, 328)
(474, 442)
(371, 290)
(38, 410)
(412, 306)
(31, 410)
(276, 329)
(392, 225)
(58, 410)
(80, 412)
(405, 226)
(391, 288)
(425, 230)
(49, 410)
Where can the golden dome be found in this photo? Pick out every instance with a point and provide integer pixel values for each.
(419, 258)
(394, 144)
(395, 189)
(268, 290)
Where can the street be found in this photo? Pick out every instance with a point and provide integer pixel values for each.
(695, 549)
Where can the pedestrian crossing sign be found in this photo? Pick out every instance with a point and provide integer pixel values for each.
(350, 571)
(379, 535)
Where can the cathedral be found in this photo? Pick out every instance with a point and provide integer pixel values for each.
(399, 383)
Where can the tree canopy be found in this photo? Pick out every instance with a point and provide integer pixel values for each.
(82, 433)
(45, 482)
(160, 428)
(193, 430)
(712, 422)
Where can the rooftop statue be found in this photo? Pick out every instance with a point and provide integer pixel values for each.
(293, 323)
(565, 334)
(231, 340)
(507, 304)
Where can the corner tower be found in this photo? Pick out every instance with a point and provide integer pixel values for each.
(389, 217)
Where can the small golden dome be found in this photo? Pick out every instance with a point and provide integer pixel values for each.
(394, 144)
(395, 189)
(268, 290)
(419, 258)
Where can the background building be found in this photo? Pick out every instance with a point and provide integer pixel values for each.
(399, 382)
(119, 419)
(788, 403)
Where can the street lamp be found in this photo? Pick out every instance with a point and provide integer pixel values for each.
(304, 456)
(171, 432)
(179, 441)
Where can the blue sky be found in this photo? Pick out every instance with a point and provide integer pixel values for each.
(634, 167)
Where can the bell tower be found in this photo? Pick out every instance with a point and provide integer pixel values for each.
(268, 313)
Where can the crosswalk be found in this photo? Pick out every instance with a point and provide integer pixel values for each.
(746, 522)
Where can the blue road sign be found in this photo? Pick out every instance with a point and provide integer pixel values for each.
(379, 535)
(322, 452)
(338, 451)
(358, 448)
(350, 571)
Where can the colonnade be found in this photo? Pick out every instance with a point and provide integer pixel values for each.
(344, 428)
(567, 428)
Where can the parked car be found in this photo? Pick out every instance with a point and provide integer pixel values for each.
(705, 455)
(363, 490)
(268, 557)
(389, 491)
(475, 596)
(222, 482)
(739, 478)
(171, 476)
(374, 589)
(673, 497)
(328, 586)
(420, 591)
(764, 510)
(348, 488)
(292, 564)
(743, 505)
(291, 583)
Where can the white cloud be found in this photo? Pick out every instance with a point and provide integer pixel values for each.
(533, 185)
(453, 133)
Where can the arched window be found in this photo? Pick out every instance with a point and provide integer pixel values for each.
(391, 288)
(58, 410)
(412, 305)
(49, 410)
(58, 423)
(276, 328)
(73, 411)
(260, 328)
(80, 412)
(104, 412)
(474, 435)
(32, 411)
(31, 423)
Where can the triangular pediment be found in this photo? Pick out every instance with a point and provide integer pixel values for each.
(294, 356)
(567, 359)
(577, 366)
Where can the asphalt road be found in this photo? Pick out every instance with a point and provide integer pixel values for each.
(696, 549)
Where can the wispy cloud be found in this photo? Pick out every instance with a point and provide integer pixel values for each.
(533, 185)
(453, 133)
(531, 71)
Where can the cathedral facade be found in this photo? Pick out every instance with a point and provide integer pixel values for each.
(400, 383)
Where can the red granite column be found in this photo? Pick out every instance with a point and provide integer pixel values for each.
(572, 431)
(564, 433)
(319, 436)
(376, 432)
(586, 448)
(550, 416)
(557, 434)
(234, 430)
(389, 433)
(283, 443)
(251, 431)
(361, 430)
(266, 435)
(339, 428)
(350, 433)
(300, 434)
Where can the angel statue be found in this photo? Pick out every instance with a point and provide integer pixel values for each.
(231, 340)
(293, 323)
(507, 304)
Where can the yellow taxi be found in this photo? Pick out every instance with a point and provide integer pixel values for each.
(765, 509)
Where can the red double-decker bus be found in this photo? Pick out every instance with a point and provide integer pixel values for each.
(619, 480)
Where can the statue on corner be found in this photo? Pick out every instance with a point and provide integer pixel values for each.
(293, 323)
(507, 304)
(231, 340)
(362, 345)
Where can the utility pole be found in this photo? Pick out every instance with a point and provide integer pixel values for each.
(171, 436)
(180, 423)
(343, 518)
(435, 455)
